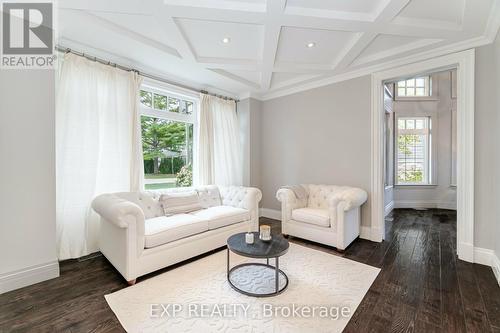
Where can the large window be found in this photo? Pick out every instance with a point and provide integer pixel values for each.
(167, 126)
(413, 158)
(415, 87)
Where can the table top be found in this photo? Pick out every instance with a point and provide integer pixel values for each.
(276, 247)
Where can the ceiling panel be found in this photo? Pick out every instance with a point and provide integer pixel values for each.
(442, 10)
(142, 24)
(328, 44)
(252, 76)
(384, 42)
(364, 6)
(206, 39)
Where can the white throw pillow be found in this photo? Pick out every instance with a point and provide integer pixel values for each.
(179, 203)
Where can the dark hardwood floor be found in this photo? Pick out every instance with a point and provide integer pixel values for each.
(422, 286)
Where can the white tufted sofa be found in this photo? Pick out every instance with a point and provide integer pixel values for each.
(137, 238)
(328, 214)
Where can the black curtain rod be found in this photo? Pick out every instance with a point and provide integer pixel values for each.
(130, 69)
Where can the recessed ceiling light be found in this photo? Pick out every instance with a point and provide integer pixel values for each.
(226, 40)
(311, 44)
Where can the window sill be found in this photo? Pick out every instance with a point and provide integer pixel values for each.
(388, 187)
(408, 186)
(416, 99)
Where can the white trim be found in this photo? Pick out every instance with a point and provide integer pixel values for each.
(464, 62)
(489, 258)
(270, 213)
(388, 208)
(495, 265)
(28, 276)
(424, 204)
(365, 232)
(483, 256)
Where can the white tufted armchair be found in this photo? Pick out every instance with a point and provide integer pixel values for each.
(137, 237)
(327, 214)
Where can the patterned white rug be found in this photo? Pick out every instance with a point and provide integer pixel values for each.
(323, 293)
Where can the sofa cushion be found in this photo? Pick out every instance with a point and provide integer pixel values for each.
(220, 216)
(209, 196)
(312, 215)
(179, 203)
(166, 229)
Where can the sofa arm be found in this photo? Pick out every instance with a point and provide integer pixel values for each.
(351, 197)
(116, 210)
(241, 197)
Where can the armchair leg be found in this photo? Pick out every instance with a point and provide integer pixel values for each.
(131, 282)
(341, 251)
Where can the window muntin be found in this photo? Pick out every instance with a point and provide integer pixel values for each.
(161, 102)
(414, 87)
(168, 122)
(413, 157)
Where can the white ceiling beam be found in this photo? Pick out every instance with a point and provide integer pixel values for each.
(132, 34)
(386, 13)
(173, 31)
(236, 78)
(213, 14)
(272, 31)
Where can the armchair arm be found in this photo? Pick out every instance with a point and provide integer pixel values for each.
(351, 197)
(117, 210)
(289, 202)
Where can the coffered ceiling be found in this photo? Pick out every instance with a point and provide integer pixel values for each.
(274, 47)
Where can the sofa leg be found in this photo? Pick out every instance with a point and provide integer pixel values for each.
(131, 282)
(341, 251)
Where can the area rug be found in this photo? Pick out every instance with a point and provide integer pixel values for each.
(323, 293)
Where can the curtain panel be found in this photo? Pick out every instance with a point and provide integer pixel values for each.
(219, 153)
(98, 147)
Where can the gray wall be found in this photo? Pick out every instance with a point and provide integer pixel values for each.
(496, 239)
(27, 171)
(323, 136)
(317, 136)
(442, 194)
(249, 111)
(486, 148)
(255, 142)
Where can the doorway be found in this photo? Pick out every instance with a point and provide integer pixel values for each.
(463, 62)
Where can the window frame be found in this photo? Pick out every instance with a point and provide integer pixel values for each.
(181, 94)
(431, 94)
(430, 158)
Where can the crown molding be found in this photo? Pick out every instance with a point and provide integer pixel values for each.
(452, 48)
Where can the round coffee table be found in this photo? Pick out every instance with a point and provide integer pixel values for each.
(257, 279)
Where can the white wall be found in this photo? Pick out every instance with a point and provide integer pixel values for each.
(442, 195)
(317, 136)
(27, 178)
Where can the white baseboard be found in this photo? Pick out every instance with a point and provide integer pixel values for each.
(424, 204)
(270, 213)
(495, 265)
(28, 276)
(483, 256)
(489, 258)
(388, 208)
(365, 232)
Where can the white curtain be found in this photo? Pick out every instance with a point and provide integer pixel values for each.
(219, 157)
(98, 147)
